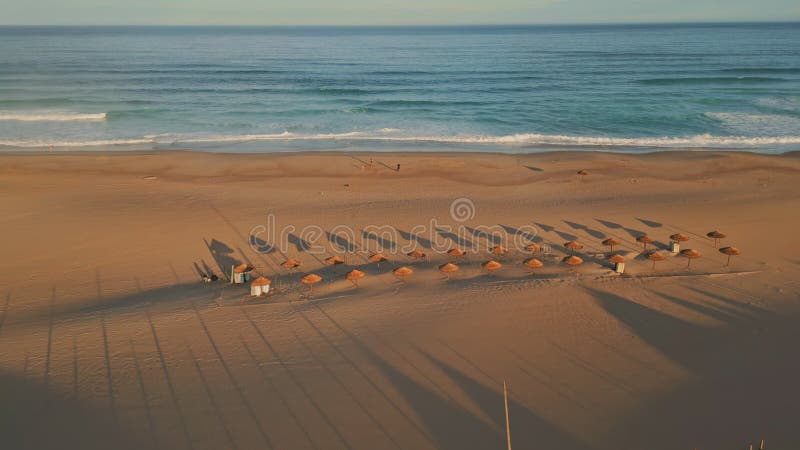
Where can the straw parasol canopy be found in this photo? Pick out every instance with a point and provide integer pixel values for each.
(334, 260)
(572, 261)
(311, 279)
(416, 254)
(456, 252)
(716, 236)
(572, 245)
(498, 250)
(730, 251)
(677, 237)
(611, 242)
(355, 275)
(655, 256)
(616, 258)
(377, 258)
(402, 272)
(448, 268)
(491, 265)
(533, 248)
(583, 172)
(291, 264)
(261, 281)
(690, 254)
(644, 240)
(243, 268)
(533, 264)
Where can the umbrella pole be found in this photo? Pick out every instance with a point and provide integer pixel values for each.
(508, 425)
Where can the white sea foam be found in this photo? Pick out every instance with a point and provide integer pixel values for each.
(44, 143)
(757, 124)
(516, 140)
(49, 116)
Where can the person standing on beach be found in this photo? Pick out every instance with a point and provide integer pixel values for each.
(398, 167)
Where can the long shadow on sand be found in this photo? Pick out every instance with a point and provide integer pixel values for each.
(528, 429)
(449, 425)
(35, 417)
(677, 339)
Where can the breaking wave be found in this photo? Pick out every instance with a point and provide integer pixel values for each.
(49, 116)
(703, 141)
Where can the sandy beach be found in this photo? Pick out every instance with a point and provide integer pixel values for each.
(110, 339)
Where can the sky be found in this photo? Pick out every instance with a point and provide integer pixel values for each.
(388, 12)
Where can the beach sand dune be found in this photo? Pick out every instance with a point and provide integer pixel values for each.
(109, 338)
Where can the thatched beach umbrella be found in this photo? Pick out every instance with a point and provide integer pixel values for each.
(533, 264)
(533, 248)
(730, 251)
(334, 260)
(716, 236)
(644, 240)
(377, 258)
(416, 254)
(402, 272)
(611, 242)
(311, 279)
(355, 275)
(616, 258)
(491, 265)
(582, 173)
(498, 250)
(690, 254)
(448, 268)
(655, 256)
(572, 261)
(290, 264)
(456, 252)
(573, 245)
(678, 237)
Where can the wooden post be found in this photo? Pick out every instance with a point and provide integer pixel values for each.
(508, 426)
(762, 446)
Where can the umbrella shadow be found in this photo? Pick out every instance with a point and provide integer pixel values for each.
(222, 255)
(423, 242)
(534, 168)
(383, 243)
(578, 226)
(460, 241)
(546, 228)
(609, 224)
(300, 244)
(491, 239)
(530, 237)
(260, 245)
(340, 243)
(650, 223)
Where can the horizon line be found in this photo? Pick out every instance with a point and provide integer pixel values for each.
(431, 25)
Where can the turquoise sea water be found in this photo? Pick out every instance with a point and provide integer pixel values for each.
(514, 88)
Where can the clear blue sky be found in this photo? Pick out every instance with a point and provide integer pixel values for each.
(388, 12)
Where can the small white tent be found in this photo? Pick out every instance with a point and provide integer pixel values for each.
(260, 286)
(241, 273)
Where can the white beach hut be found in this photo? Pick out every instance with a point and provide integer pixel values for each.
(260, 286)
(241, 273)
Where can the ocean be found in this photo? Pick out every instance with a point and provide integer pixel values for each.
(499, 88)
